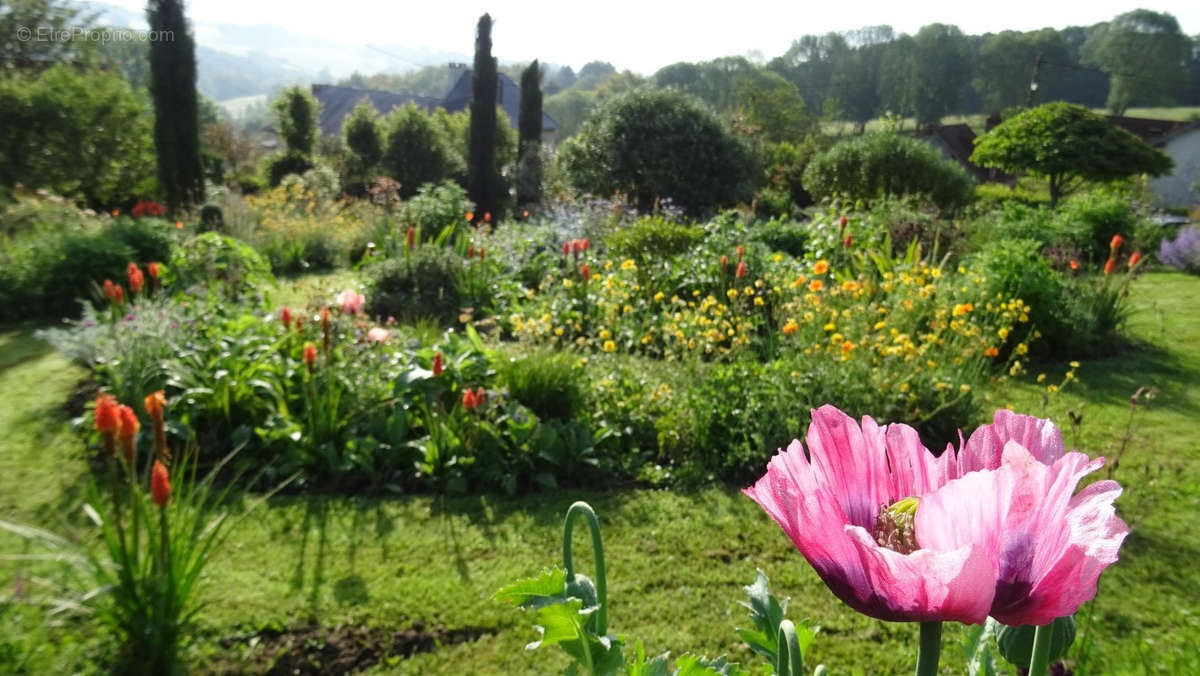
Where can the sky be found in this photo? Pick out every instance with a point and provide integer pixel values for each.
(638, 35)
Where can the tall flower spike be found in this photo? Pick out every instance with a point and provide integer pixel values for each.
(136, 279)
(128, 433)
(108, 421)
(285, 317)
(160, 484)
(156, 403)
(310, 356)
(437, 364)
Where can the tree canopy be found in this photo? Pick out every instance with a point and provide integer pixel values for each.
(1067, 145)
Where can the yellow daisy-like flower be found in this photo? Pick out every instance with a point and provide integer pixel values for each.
(628, 264)
(816, 285)
(830, 326)
(732, 293)
(610, 346)
(790, 327)
(605, 334)
(659, 296)
(1003, 333)
(758, 300)
(1022, 349)
(820, 267)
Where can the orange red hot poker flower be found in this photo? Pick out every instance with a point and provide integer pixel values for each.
(160, 484)
(155, 404)
(136, 279)
(108, 421)
(127, 434)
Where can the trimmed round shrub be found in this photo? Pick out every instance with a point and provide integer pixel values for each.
(421, 284)
(878, 164)
(660, 144)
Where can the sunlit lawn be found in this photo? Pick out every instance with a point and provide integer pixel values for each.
(677, 559)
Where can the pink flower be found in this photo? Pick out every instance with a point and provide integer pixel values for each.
(377, 335)
(900, 535)
(351, 302)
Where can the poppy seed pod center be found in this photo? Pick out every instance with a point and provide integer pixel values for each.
(896, 526)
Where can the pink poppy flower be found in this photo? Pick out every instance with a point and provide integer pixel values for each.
(377, 335)
(351, 302)
(900, 535)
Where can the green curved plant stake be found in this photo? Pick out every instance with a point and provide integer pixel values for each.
(585, 510)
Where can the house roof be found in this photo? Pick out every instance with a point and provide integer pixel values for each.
(959, 141)
(1149, 130)
(337, 101)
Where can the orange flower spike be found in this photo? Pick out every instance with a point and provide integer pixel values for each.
(154, 270)
(438, 364)
(1135, 259)
(285, 317)
(470, 216)
(1074, 265)
(110, 290)
(1110, 266)
(128, 433)
(741, 251)
(108, 421)
(469, 400)
(585, 272)
(487, 217)
(118, 295)
(326, 333)
(179, 225)
(310, 356)
(156, 403)
(741, 270)
(1115, 244)
(160, 484)
(136, 279)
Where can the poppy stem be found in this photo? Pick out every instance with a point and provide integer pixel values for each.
(930, 649)
(1039, 661)
(585, 510)
(791, 661)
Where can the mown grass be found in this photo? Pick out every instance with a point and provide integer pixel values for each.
(676, 559)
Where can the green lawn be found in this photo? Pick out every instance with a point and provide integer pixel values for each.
(676, 559)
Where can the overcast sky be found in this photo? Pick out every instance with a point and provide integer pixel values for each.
(642, 35)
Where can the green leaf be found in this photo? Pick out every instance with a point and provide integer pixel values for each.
(691, 665)
(657, 666)
(977, 648)
(547, 588)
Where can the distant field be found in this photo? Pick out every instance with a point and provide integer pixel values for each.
(977, 121)
(236, 107)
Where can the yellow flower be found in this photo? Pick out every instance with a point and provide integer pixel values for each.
(790, 327)
(732, 293)
(1051, 389)
(830, 326)
(628, 264)
(1041, 377)
(1074, 364)
(558, 331)
(610, 346)
(821, 267)
(935, 273)
(758, 300)
(962, 308)
(659, 296)
(799, 281)
(605, 334)
(1003, 333)
(1022, 349)
(816, 285)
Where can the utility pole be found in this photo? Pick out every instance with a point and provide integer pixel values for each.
(1033, 82)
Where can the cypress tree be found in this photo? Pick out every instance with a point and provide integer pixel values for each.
(364, 141)
(481, 171)
(176, 114)
(529, 126)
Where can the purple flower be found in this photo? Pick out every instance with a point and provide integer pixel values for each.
(1184, 252)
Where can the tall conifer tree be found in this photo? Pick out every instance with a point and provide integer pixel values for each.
(482, 151)
(529, 127)
(176, 118)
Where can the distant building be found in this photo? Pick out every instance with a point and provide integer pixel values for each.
(337, 102)
(1181, 142)
(956, 142)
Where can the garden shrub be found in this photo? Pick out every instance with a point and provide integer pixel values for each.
(150, 238)
(420, 284)
(277, 167)
(784, 235)
(436, 207)
(1183, 252)
(652, 145)
(1091, 220)
(877, 164)
(546, 382)
(415, 152)
(215, 261)
(653, 236)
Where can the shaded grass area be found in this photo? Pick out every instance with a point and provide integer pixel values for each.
(676, 559)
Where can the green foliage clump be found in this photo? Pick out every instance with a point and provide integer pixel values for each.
(882, 164)
(548, 383)
(436, 207)
(653, 236)
(216, 261)
(81, 133)
(415, 152)
(782, 235)
(650, 145)
(420, 284)
(296, 114)
(364, 143)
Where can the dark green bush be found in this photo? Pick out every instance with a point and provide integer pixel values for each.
(81, 261)
(420, 284)
(878, 164)
(783, 235)
(277, 167)
(660, 144)
(149, 238)
(435, 208)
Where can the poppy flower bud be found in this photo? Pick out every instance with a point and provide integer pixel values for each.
(160, 484)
